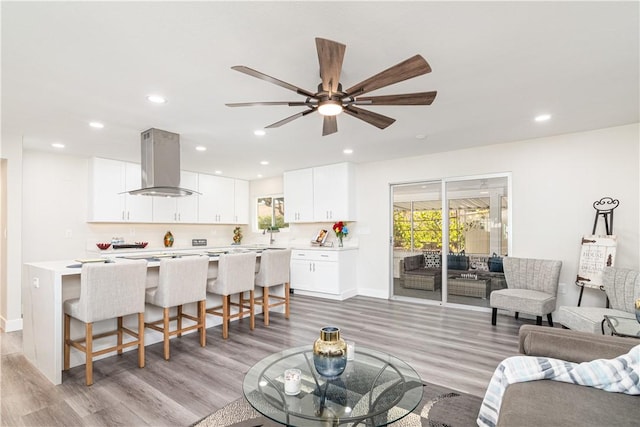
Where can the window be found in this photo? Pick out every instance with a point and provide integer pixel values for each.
(270, 212)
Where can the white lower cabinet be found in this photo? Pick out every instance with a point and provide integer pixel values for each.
(324, 273)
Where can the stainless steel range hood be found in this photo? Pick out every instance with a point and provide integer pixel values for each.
(161, 165)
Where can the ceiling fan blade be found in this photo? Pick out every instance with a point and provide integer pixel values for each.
(375, 119)
(289, 119)
(252, 104)
(329, 125)
(420, 98)
(330, 56)
(412, 67)
(262, 76)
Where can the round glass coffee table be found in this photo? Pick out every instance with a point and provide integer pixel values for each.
(375, 389)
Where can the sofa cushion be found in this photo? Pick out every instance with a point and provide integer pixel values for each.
(432, 259)
(546, 402)
(413, 262)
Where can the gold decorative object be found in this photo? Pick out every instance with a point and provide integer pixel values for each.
(168, 239)
(237, 235)
(330, 353)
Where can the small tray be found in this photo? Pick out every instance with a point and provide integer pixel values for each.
(129, 246)
(88, 260)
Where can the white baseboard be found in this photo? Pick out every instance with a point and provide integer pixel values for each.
(10, 325)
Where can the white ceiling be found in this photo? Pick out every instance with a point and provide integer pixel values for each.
(495, 65)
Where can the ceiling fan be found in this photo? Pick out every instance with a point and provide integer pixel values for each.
(330, 99)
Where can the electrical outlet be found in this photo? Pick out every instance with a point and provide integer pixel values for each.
(36, 282)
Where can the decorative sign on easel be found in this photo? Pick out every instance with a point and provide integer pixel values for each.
(597, 252)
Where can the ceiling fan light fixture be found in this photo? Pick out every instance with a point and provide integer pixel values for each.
(330, 108)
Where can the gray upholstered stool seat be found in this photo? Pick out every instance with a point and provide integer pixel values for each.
(180, 281)
(532, 286)
(107, 291)
(236, 275)
(275, 266)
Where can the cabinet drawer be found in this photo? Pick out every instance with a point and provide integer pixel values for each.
(314, 255)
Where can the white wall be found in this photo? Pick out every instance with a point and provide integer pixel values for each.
(555, 181)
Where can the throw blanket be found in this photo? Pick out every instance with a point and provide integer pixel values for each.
(619, 375)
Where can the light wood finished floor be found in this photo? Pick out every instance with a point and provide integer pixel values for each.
(446, 346)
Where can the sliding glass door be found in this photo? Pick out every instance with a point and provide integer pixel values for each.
(474, 228)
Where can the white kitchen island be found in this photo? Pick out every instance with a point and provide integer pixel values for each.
(46, 285)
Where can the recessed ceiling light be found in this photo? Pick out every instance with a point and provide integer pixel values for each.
(259, 132)
(421, 136)
(156, 99)
(218, 172)
(201, 148)
(347, 151)
(543, 117)
(259, 175)
(57, 145)
(264, 163)
(96, 125)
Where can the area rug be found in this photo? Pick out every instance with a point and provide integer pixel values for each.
(440, 407)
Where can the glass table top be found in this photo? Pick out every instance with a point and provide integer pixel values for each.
(374, 389)
(623, 326)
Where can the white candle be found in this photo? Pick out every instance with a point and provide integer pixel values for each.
(292, 381)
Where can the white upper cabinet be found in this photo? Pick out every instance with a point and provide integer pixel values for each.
(298, 194)
(178, 209)
(333, 193)
(241, 207)
(216, 202)
(108, 202)
(320, 194)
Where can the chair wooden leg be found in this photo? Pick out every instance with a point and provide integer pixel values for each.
(88, 353)
(241, 305)
(265, 305)
(494, 316)
(141, 340)
(67, 337)
(165, 332)
(179, 320)
(119, 334)
(287, 290)
(539, 320)
(202, 320)
(252, 317)
(225, 316)
(550, 320)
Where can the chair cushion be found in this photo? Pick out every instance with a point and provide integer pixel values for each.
(587, 319)
(523, 301)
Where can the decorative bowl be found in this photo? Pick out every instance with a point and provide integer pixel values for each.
(142, 244)
(103, 246)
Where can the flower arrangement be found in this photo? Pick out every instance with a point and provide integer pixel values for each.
(237, 235)
(341, 230)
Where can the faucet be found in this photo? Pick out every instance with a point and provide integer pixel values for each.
(271, 230)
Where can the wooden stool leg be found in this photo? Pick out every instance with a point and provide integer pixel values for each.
(141, 340)
(165, 332)
(119, 333)
(265, 305)
(202, 320)
(241, 305)
(179, 326)
(89, 353)
(287, 290)
(225, 316)
(252, 317)
(67, 337)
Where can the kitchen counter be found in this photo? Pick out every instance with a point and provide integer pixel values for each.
(45, 287)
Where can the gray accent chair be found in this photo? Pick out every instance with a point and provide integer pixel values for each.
(180, 281)
(275, 266)
(622, 287)
(236, 275)
(532, 287)
(107, 291)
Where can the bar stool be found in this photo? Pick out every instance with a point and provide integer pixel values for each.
(107, 291)
(180, 281)
(275, 265)
(236, 275)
